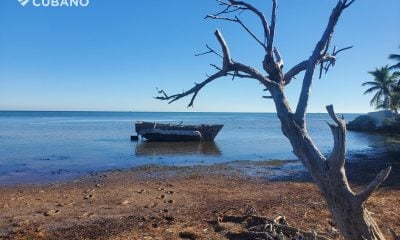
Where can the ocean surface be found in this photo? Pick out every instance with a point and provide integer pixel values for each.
(42, 147)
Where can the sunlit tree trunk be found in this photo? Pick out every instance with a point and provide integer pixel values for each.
(347, 208)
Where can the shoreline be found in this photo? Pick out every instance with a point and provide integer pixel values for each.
(360, 167)
(161, 202)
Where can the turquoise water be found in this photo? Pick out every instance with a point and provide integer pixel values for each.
(49, 146)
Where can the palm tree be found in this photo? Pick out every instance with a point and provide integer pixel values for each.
(395, 57)
(383, 84)
(395, 99)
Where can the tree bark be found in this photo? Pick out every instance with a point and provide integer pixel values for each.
(347, 207)
(348, 210)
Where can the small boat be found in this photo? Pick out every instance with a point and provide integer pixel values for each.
(177, 132)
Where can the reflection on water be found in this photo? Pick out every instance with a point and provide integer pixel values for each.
(177, 148)
(377, 143)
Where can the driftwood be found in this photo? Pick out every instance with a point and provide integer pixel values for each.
(347, 207)
(260, 227)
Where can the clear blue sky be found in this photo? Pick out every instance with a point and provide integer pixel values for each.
(112, 54)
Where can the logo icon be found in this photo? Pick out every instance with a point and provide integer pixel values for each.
(23, 2)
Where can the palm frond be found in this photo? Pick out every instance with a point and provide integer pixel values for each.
(370, 83)
(396, 66)
(394, 57)
(372, 89)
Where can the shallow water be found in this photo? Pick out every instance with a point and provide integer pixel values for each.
(41, 147)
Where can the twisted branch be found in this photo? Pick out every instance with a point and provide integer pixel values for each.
(229, 68)
(337, 159)
(374, 184)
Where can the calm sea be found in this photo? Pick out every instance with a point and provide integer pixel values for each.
(48, 146)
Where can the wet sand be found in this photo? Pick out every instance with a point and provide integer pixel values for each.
(157, 202)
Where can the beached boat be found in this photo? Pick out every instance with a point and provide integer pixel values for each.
(176, 132)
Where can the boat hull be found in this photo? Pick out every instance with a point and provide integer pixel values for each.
(176, 133)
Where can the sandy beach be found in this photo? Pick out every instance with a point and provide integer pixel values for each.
(155, 202)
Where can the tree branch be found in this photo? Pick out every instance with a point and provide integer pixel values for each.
(333, 61)
(241, 23)
(251, 33)
(210, 50)
(272, 28)
(227, 60)
(318, 53)
(229, 68)
(243, 6)
(379, 179)
(302, 66)
(338, 156)
(260, 15)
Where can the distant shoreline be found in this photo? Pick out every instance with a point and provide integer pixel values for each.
(186, 112)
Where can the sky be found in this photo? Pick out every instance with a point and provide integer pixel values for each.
(112, 54)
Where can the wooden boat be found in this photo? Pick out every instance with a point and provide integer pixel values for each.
(176, 132)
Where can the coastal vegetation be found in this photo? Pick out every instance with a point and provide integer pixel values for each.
(383, 85)
(347, 207)
(386, 86)
(386, 89)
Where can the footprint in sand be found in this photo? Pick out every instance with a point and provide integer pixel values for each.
(51, 213)
(87, 215)
(141, 191)
(169, 201)
(150, 205)
(161, 196)
(88, 197)
(170, 192)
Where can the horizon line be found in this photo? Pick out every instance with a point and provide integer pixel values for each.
(145, 111)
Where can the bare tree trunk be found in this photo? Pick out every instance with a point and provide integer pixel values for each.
(347, 207)
(348, 210)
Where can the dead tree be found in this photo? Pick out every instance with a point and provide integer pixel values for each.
(347, 207)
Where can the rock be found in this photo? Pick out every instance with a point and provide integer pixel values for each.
(363, 123)
(188, 235)
(169, 218)
(366, 123)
